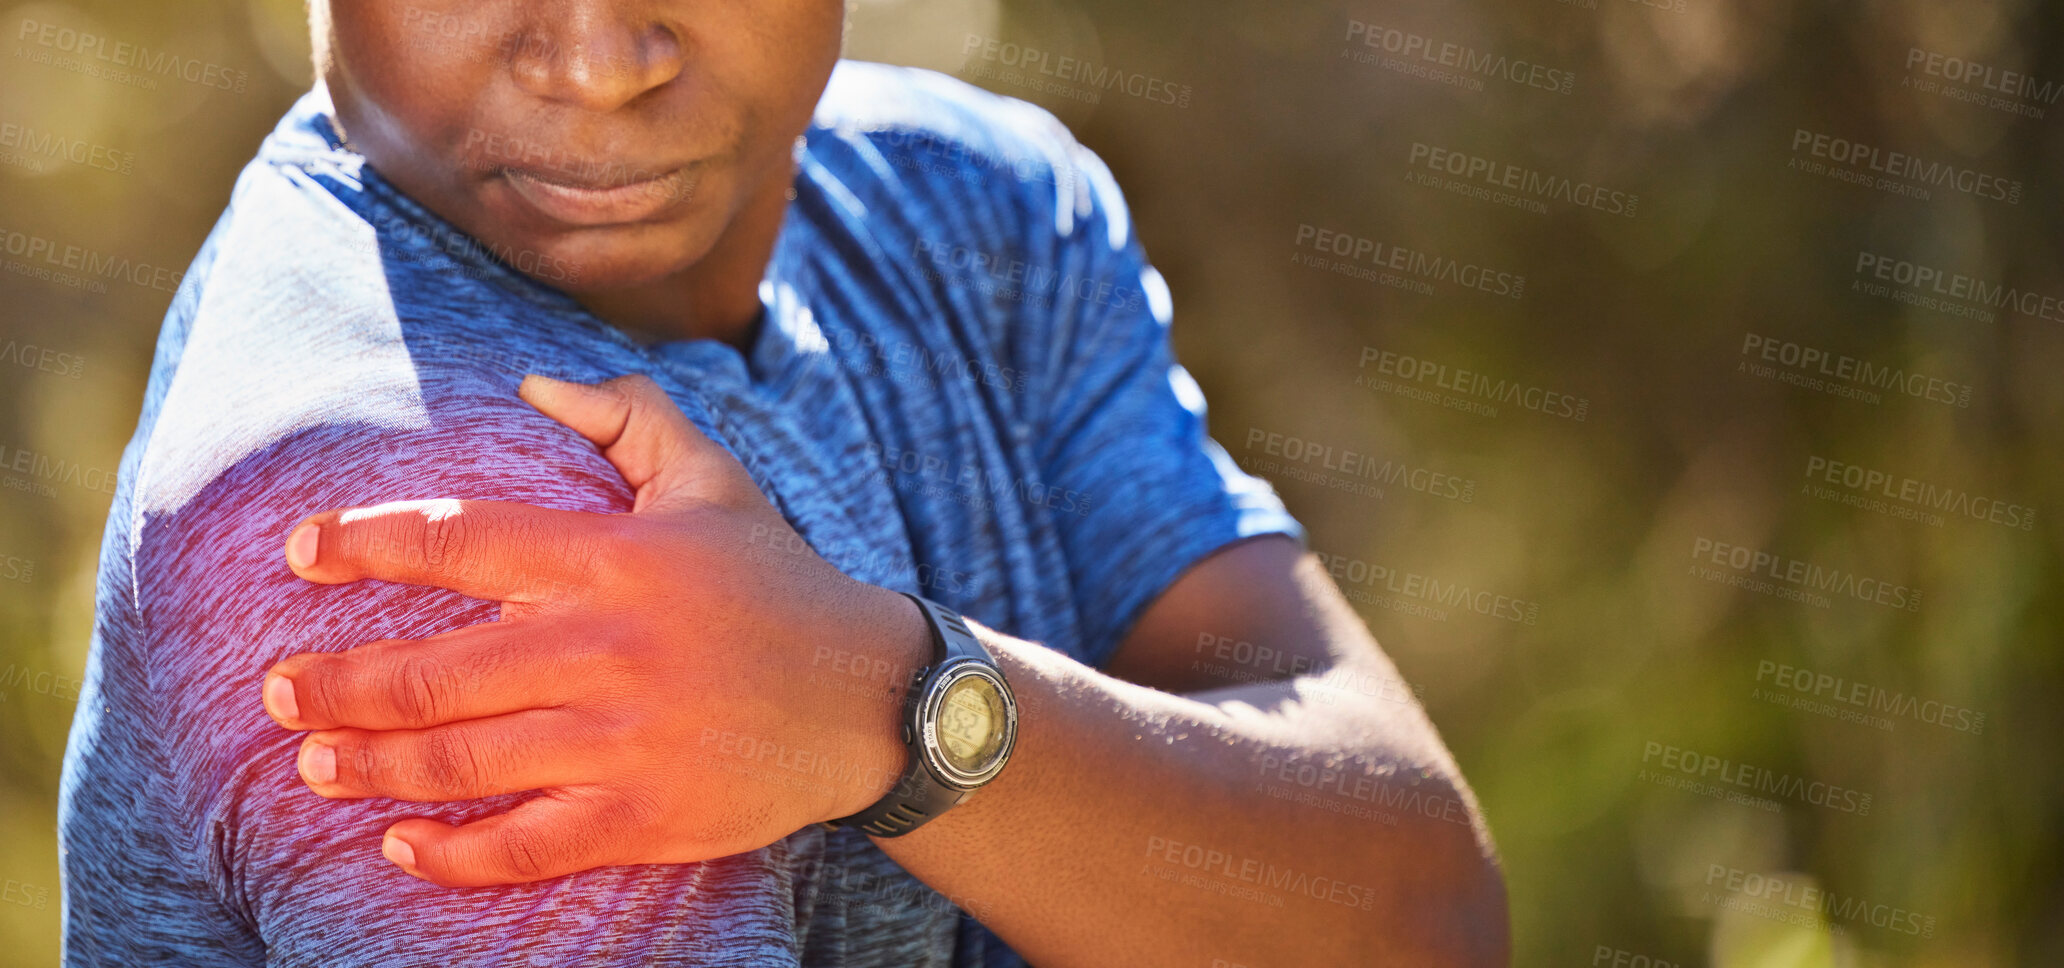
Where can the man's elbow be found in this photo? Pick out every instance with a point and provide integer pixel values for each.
(1472, 927)
(1482, 925)
(1447, 889)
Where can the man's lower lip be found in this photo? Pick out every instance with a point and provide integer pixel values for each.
(601, 206)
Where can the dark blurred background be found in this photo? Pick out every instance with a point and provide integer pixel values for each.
(1709, 348)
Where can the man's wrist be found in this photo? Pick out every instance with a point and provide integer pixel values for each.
(891, 634)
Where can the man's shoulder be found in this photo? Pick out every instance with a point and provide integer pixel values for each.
(275, 345)
(259, 426)
(933, 136)
(312, 319)
(918, 104)
(985, 202)
(291, 378)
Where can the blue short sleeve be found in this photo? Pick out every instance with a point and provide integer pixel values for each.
(1124, 425)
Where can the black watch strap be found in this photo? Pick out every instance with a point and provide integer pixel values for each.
(919, 796)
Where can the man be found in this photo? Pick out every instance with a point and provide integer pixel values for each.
(865, 357)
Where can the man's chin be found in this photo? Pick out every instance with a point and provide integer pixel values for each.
(596, 267)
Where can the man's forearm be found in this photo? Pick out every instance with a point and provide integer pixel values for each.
(1287, 822)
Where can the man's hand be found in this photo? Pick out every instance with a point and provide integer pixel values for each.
(678, 637)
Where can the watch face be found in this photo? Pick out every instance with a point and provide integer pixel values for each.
(971, 724)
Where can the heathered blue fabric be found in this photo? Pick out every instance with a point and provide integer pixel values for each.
(962, 387)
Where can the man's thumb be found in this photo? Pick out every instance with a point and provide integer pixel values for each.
(650, 442)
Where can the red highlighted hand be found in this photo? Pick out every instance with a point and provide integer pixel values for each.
(650, 676)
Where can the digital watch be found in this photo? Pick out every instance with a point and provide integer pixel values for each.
(960, 722)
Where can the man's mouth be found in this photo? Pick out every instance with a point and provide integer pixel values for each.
(612, 197)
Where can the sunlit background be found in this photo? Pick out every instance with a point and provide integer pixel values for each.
(1891, 740)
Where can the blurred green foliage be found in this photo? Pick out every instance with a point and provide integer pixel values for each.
(1249, 129)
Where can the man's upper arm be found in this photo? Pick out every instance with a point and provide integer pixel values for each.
(1252, 612)
(219, 606)
(1124, 424)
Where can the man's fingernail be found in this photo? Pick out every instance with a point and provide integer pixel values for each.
(301, 546)
(279, 698)
(318, 763)
(397, 850)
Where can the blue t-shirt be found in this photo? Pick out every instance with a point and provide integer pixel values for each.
(962, 386)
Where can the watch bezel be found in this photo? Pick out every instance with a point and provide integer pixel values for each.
(935, 758)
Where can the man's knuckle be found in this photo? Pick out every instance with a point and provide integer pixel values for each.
(444, 537)
(634, 389)
(541, 532)
(614, 726)
(525, 548)
(416, 690)
(522, 851)
(316, 690)
(356, 760)
(636, 810)
(621, 661)
(449, 762)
